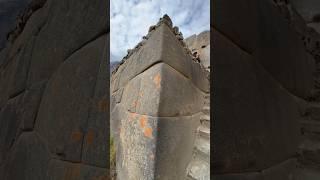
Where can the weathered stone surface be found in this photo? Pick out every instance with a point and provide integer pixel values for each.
(307, 8)
(161, 46)
(174, 147)
(283, 171)
(20, 74)
(315, 26)
(70, 26)
(149, 145)
(198, 41)
(6, 78)
(259, 28)
(149, 94)
(237, 20)
(264, 116)
(62, 170)
(96, 140)
(157, 94)
(30, 105)
(308, 174)
(240, 176)
(28, 160)
(281, 52)
(10, 118)
(67, 99)
(32, 28)
(3, 55)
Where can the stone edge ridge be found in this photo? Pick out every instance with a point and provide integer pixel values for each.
(167, 21)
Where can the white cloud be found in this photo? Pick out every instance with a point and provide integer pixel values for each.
(130, 20)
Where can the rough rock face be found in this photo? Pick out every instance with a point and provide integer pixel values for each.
(53, 93)
(153, 116)
(265, 90)
(200, 44)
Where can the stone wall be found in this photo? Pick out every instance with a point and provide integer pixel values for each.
(265, 81)
(158, 92)
(54, 94)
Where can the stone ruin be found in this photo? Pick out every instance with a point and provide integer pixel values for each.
(160, 109)
(54, 93)
(265, 90)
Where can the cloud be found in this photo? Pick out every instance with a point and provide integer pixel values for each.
(130, 20)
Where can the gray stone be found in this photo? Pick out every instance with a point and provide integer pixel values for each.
(149, 145)
(149, 94)
(10, 118)
(20, 74)
(281, 52)
(307, 8)
(59, 170)
(96, 140)
(28, 159)
(264, 116)
(30, 105)
(67, 99)
(160, 47)
(238, 21)
(32, 28)
(71, 25)
(283, 171)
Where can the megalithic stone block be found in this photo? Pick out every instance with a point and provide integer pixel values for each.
(157, 96)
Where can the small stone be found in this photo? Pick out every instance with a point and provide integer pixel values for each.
(143, 42)
(167, 20)
(179, 37)
(151, 28)
(175, 30)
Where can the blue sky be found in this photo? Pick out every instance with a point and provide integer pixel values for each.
(130, 20)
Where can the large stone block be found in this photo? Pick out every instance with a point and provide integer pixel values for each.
(7, 72)
(62, 170)
(157, 94)
(286, 170)
(64, 110)
(152, 92)
(28, 159)
(10, 118)
(256, 119)
(20, 73)
(237, 20)
(96, 141)
(30, 105)
(308, 9)
(162, 46)
(282, 53)
(259, 28)
(32, 27)
(149, 145)
(70, 25)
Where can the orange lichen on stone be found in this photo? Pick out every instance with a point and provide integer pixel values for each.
(143, 121)
(148, 132)
(76, 135)
(90, 137)
(157, 80)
